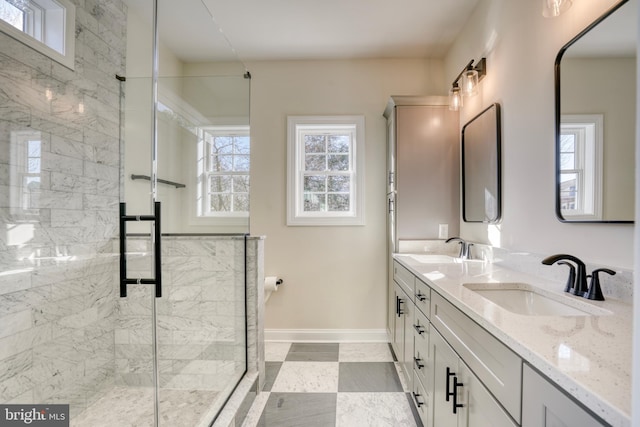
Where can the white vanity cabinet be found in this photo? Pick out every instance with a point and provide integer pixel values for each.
(461, 375)
(544, 405)
(447, 359)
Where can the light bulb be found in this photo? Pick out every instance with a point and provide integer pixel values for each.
(553, 8)
(470, 83)
(455, 98)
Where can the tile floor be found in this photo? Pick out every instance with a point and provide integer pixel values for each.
(324, 384)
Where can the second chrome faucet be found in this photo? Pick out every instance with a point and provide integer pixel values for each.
(577, 281)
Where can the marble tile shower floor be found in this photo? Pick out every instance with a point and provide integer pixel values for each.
(133, 407)
(326, 385)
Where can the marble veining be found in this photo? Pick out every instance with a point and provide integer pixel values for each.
(588, 356)
(373, 409)
(307, 377)
(360, 352)
(134, 407)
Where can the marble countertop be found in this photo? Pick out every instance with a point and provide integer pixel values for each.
(590, 357)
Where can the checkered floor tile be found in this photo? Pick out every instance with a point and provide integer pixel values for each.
(326, 384)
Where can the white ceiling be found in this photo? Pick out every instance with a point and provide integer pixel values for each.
(307, 29)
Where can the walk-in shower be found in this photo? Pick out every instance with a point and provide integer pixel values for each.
(143, 128)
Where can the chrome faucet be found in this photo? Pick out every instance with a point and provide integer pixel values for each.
(465, 247)
(580, 284)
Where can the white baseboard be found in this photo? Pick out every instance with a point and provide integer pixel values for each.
(326, 335)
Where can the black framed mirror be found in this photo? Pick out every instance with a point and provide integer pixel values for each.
(481, 167)
(595, 94)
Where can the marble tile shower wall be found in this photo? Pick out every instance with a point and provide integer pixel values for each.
(59, 191)
(201, 316)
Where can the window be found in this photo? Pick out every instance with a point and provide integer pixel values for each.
(325, 170)
(581, 166)
(26, 162)
(225, 172)
(47, 26)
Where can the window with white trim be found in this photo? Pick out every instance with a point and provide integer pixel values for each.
(26, 162)
(224, 176)
(47, 26)
(325, 170)
(581, 166)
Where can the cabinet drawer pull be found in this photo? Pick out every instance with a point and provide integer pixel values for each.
(415, 397)
(399, 305)
(448, 388)
(419, 329)
(456, 405)
(421, 297)
(417, 362)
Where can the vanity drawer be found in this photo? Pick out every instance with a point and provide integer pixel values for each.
(499, 368)
(421, 362)
(423, 297)
(404, 278)
(422, 401)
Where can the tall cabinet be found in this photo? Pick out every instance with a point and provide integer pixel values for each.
(423, 179)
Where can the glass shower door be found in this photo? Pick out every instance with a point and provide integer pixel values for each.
(201, 323)
(200, 116)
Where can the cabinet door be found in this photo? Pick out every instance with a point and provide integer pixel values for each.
(482, 410)
(422, 400)
(401, 302)
(407, 360)
(543, 405)
(446, 368)
(427, 170)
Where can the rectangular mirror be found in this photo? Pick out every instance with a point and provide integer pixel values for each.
(595, 120)
(481, 192)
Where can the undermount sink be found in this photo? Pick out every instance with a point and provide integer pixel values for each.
(432, 258)
(440, 259)
(525, 299)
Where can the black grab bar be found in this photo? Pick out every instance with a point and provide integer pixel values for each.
(124, 280)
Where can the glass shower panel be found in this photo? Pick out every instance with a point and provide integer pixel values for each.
(197, 352)
(204, 154)
(201, 326)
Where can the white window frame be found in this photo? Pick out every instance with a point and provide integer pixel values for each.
(229, 218)
(297, 126)
(587, 130)
(49, 28)
(23, 197)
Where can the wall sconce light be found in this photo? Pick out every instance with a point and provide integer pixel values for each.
(470, 76)
(455, 97)
(553, 8)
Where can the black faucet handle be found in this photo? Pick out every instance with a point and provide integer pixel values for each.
(571, 280)
(595, 291)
